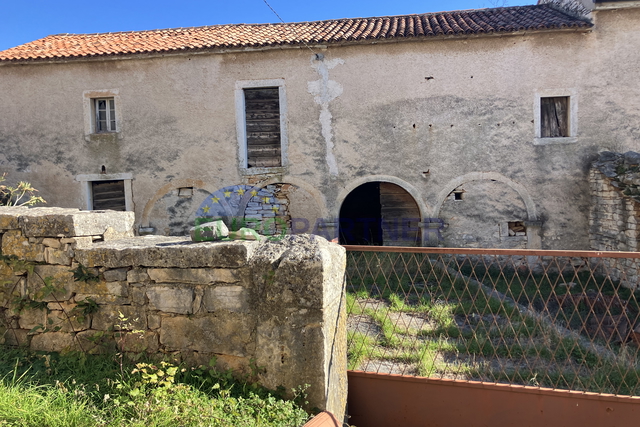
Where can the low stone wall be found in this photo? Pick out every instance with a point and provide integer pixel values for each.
(275, 309)
(614, 180)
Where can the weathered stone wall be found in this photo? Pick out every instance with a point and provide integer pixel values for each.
(429, 115)
(276, 305)
(615, 212)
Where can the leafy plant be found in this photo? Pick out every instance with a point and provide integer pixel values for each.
(84, 308)
(83, 274)
(25, 302)
(21, 195)
(124, 327)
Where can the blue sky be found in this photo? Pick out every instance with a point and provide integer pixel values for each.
(22, 21)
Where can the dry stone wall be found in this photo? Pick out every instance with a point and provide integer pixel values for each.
(276, 306)
(614, 180)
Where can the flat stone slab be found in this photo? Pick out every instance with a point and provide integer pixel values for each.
(64, 222)
(166, 251)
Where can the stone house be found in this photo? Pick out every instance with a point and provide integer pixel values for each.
(472, 128)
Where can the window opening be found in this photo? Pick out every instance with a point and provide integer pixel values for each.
(108, 195)
(554, 117)
(517, 228)
(185, 192)
(262, 121)
(105, 115)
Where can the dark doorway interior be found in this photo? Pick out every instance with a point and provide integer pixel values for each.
(361, 216)
(380, 214)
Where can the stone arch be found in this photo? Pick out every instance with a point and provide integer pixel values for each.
(425, 210)
(164, 190)
(532, 213)
(318, 197)
(380, 210)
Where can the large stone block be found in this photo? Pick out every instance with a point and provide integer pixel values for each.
(302, 341)
(161, 251)
(32, 317)
(117, 275)
(193, 275)
(9, 217)
(230, 334)
(102, 288)
(61, 222)
(16, 337)
(108, 318)
(171, 299)
(55, 256)
(67, 320)
(46, 277)
(139, 342)
(53, 341)
(16, 244)
(8, 283)
(231, 298)
(137, 275)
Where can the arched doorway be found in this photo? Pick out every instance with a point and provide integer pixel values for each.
(380, 214)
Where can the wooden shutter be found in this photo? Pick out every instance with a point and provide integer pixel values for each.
(108, 195)
(554, 117)
(400, 216)
(262, 111)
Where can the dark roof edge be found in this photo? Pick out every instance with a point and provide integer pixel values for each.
(569, 7)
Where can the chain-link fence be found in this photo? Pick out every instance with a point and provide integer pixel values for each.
(566, 320)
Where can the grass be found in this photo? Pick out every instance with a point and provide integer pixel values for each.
(465, 333)
(48, 389)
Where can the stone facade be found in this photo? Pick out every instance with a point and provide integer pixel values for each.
(275, 305)
(438, 118)
(615, 213)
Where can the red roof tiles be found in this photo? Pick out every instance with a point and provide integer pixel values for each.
(461, 23)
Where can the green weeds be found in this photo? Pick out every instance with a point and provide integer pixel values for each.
(421, 318)
(80, 390)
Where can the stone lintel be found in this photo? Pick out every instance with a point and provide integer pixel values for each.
(161, 251)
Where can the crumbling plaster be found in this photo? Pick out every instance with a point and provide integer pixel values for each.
(422, 114)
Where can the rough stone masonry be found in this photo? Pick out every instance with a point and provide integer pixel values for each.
(275, 305)
(614, 180)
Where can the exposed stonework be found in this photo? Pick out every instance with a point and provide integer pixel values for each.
(615, 180)
(278, 304)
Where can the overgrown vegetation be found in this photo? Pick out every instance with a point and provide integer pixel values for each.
(414, 315)
(78, 389)
(22, 194)
(49, 389)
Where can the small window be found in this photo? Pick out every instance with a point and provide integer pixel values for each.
(517, 228)
(105, 115)
(554, 117)
(108, 195)
(262, 121)
(185, 192)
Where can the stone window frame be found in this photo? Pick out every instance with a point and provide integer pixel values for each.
(89, 99)
(241, 129)
(87, 179)
(572, 94)
(503, 228)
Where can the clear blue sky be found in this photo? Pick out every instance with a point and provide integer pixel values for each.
(22, 21)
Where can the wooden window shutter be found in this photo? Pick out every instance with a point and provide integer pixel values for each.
(262, 112)
(554, 117)
(108, 195)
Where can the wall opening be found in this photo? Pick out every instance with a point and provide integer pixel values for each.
(108, 195)
(380, 214)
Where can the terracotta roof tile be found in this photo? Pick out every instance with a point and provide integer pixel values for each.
(460, 23)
